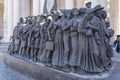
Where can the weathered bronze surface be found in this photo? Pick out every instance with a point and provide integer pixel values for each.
(72, 40)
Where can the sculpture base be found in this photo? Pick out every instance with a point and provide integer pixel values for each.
(38, 71)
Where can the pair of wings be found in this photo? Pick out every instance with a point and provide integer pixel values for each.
(53, 8)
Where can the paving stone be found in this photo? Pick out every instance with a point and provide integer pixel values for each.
(7, 73)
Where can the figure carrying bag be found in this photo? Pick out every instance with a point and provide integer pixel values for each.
(49, 45)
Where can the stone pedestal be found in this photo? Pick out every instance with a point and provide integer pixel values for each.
(39, 72)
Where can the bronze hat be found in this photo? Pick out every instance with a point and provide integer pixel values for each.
(98, 7)
(88, 3)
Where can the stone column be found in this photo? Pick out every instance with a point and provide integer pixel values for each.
(80, 3)
(41, 5)
(16, 12)
(9, 19)
(25, 8)
(5, 21)
(119, 18)
(36, 7)
(103, 3)
(1, 22)
(69, 4)
(61, 4)
(114, 16)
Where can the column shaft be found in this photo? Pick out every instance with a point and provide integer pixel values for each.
(114, 16)
(9, 18)
(80, 3)
(41, 5)
(5, 20)
(16, 12)
(25, 8)
(103, 3)
(36, 7)
(69, 4)
(119, 18)
(61, 4)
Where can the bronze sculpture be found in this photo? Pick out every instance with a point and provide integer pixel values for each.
(69, 40)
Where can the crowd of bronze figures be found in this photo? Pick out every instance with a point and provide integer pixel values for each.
(71, 40)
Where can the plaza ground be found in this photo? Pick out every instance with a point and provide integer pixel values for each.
(7, 73)
(10, 74)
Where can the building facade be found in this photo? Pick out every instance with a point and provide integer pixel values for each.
(12, 10)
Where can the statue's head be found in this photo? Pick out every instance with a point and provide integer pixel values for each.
(57, 15)
(21, 20)
(104, 14)
(97, 8)
(63, 12)
(110, 32)
(68, 13)
(88, 4)
(18, 24)
(53, 12)
(43, 16)
(107, 23)
(29, 21)
(98, 11)
(82, 10)
(75, 12)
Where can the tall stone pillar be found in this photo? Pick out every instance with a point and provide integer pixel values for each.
(103, 3)
(119, 18)
(5, 21)
(41, 5)
(25, 8)
(114, 16)
(69, 4)
(36, 7)
(16, 12)
(80, 3)
(61, 4)
(9, 19)
(1, 22)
